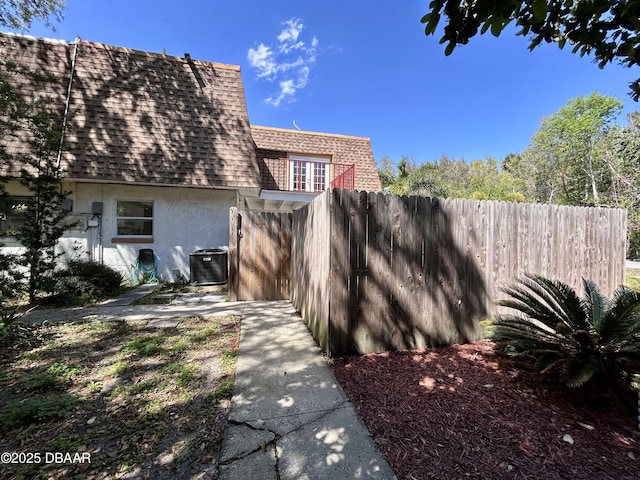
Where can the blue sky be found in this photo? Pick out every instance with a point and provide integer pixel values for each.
(361, 68)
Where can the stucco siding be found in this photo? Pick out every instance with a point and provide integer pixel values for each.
(184, 220)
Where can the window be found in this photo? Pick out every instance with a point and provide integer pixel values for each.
(319, 177)
(135, 219)
(14, 215)
(309, 174)
(299, 175)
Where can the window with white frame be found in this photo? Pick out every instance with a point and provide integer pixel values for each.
(134, 218)
(308, 174)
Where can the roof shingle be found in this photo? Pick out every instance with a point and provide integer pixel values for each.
(146, 118)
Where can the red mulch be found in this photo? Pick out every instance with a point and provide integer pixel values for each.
(464, 412)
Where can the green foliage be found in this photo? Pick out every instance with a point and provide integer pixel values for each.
(40, 130)
(44, 220)
(57, 376)
(117, 369)
(386, 172)
(36, 410)
(19, 336)
(12, 109)
(86, 280)
(223, 390)
(449, 178)
(489, 182)
(19, 14)
(569, 168)
(32, 117)
(588, 341)
(186, 374)
(632, 278)
(620, 151)
(94, 387)
(581, 156)
(228, 361)
(145, 346)
(605, 28)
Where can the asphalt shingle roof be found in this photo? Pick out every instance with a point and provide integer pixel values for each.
(146, 118)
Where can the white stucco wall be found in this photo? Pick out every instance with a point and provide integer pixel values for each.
(184, 220)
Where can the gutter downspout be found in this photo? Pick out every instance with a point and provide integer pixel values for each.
(66, 106)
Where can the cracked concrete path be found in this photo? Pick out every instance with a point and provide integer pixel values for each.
(289, 418)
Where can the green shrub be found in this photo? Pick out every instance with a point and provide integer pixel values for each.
(589, 342)
(36, 409)
(85, 280)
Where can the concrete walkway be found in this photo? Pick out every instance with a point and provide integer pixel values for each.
(289, 417)
(120, 309)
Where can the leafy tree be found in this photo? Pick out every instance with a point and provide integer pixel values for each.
(39, 172)
(44, 219)
(19, 14)
(488, 182)
(450, 178)
(426, 181)
(582, 156)
(608, 29)
(12, 110)
(523, 171)
(589, 341)
(568, 167)
(620, 151)
(386, 172)
(406, 169)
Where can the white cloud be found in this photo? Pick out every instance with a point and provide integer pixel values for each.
(292, 32)
(287, 61)
(262, 59)
(289, 87)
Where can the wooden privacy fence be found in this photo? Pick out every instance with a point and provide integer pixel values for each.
(259, 255)
(376, 272)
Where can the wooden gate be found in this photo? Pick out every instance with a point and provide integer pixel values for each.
(259, 255)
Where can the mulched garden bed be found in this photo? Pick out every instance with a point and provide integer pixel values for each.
(465, 412)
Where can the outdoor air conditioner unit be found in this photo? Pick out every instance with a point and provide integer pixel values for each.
(209, 266)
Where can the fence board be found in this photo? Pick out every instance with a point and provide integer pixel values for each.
(376, 272)
(414, 283)
(339, 292)
(359, 327)
(260, 255)
(373, 297)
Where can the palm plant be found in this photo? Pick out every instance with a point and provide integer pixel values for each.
(590, 341)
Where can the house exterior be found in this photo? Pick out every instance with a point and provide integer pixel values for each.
(157, 149)
(296, 165)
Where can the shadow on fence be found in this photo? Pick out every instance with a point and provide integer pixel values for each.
(371, 272)
(399, 279)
